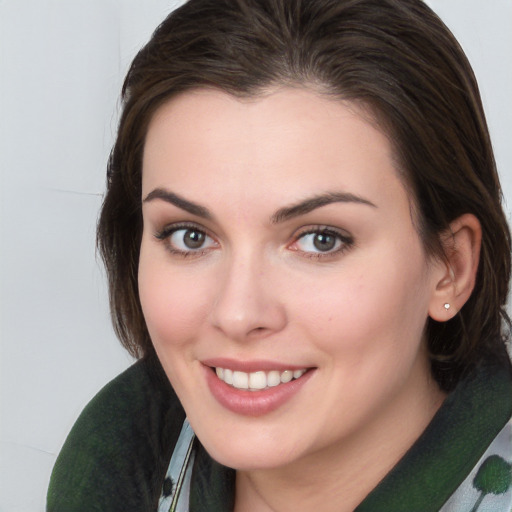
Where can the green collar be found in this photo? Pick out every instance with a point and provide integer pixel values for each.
(432, 469)
(451, 445)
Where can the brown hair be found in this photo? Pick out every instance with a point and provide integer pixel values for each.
(394, 56)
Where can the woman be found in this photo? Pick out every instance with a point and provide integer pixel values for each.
(306, 249)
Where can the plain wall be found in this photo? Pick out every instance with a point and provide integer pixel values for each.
(61, 69)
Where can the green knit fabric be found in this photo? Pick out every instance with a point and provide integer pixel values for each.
(115, 455)
(449, 448)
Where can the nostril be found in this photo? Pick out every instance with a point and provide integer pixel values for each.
(257, 330)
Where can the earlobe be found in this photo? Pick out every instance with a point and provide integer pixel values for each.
(457, 276)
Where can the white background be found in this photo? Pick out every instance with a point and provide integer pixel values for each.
(61, 69)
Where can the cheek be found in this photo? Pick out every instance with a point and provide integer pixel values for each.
(173, 304)
(378, 310)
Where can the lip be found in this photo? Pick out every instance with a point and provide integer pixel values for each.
(250, 366)
(253, 403)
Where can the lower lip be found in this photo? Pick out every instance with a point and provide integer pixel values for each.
(253, 403)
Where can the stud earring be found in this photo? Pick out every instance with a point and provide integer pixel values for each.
(447, 306)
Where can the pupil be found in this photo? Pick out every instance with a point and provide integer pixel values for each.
(194, 239)
(324, 241)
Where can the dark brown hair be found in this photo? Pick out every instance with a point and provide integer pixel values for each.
(395, 57)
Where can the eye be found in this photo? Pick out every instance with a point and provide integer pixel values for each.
(186, 240)
(322, 242)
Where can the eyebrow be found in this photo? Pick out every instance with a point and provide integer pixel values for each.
(180, 202)
(312, 203)
(281, 215)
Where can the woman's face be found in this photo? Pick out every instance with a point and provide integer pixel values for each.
(278, 244)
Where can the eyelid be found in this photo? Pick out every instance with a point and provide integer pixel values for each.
(168, 229)
(347, 241)
(163, 235)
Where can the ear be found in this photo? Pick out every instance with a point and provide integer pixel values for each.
(457, 271)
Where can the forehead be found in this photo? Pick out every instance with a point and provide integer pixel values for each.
(282, 145)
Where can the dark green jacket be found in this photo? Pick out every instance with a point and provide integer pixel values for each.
(116, 455)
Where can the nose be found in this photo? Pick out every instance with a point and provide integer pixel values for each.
(248, 303)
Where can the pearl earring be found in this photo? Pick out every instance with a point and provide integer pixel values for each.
(447, 306)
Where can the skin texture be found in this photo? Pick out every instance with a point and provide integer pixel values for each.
(257, 289)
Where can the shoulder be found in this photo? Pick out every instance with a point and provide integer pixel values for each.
(116, 455)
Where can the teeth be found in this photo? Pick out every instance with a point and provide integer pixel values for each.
(257, 380)
(286, 376)
(273, 379)
(228, 376)
(241, 380)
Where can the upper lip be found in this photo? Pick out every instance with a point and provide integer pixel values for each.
(251, 366)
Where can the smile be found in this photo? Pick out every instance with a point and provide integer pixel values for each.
(254, 388)
(256, 381)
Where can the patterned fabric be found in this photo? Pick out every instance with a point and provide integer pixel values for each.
(176, 488)
(488, 488)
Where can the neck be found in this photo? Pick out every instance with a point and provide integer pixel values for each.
(339, 477)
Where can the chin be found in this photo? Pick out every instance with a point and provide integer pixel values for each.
(251, 458)
(249, 448)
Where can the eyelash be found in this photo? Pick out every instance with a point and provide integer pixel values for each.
(166, 233)
(345, 241)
